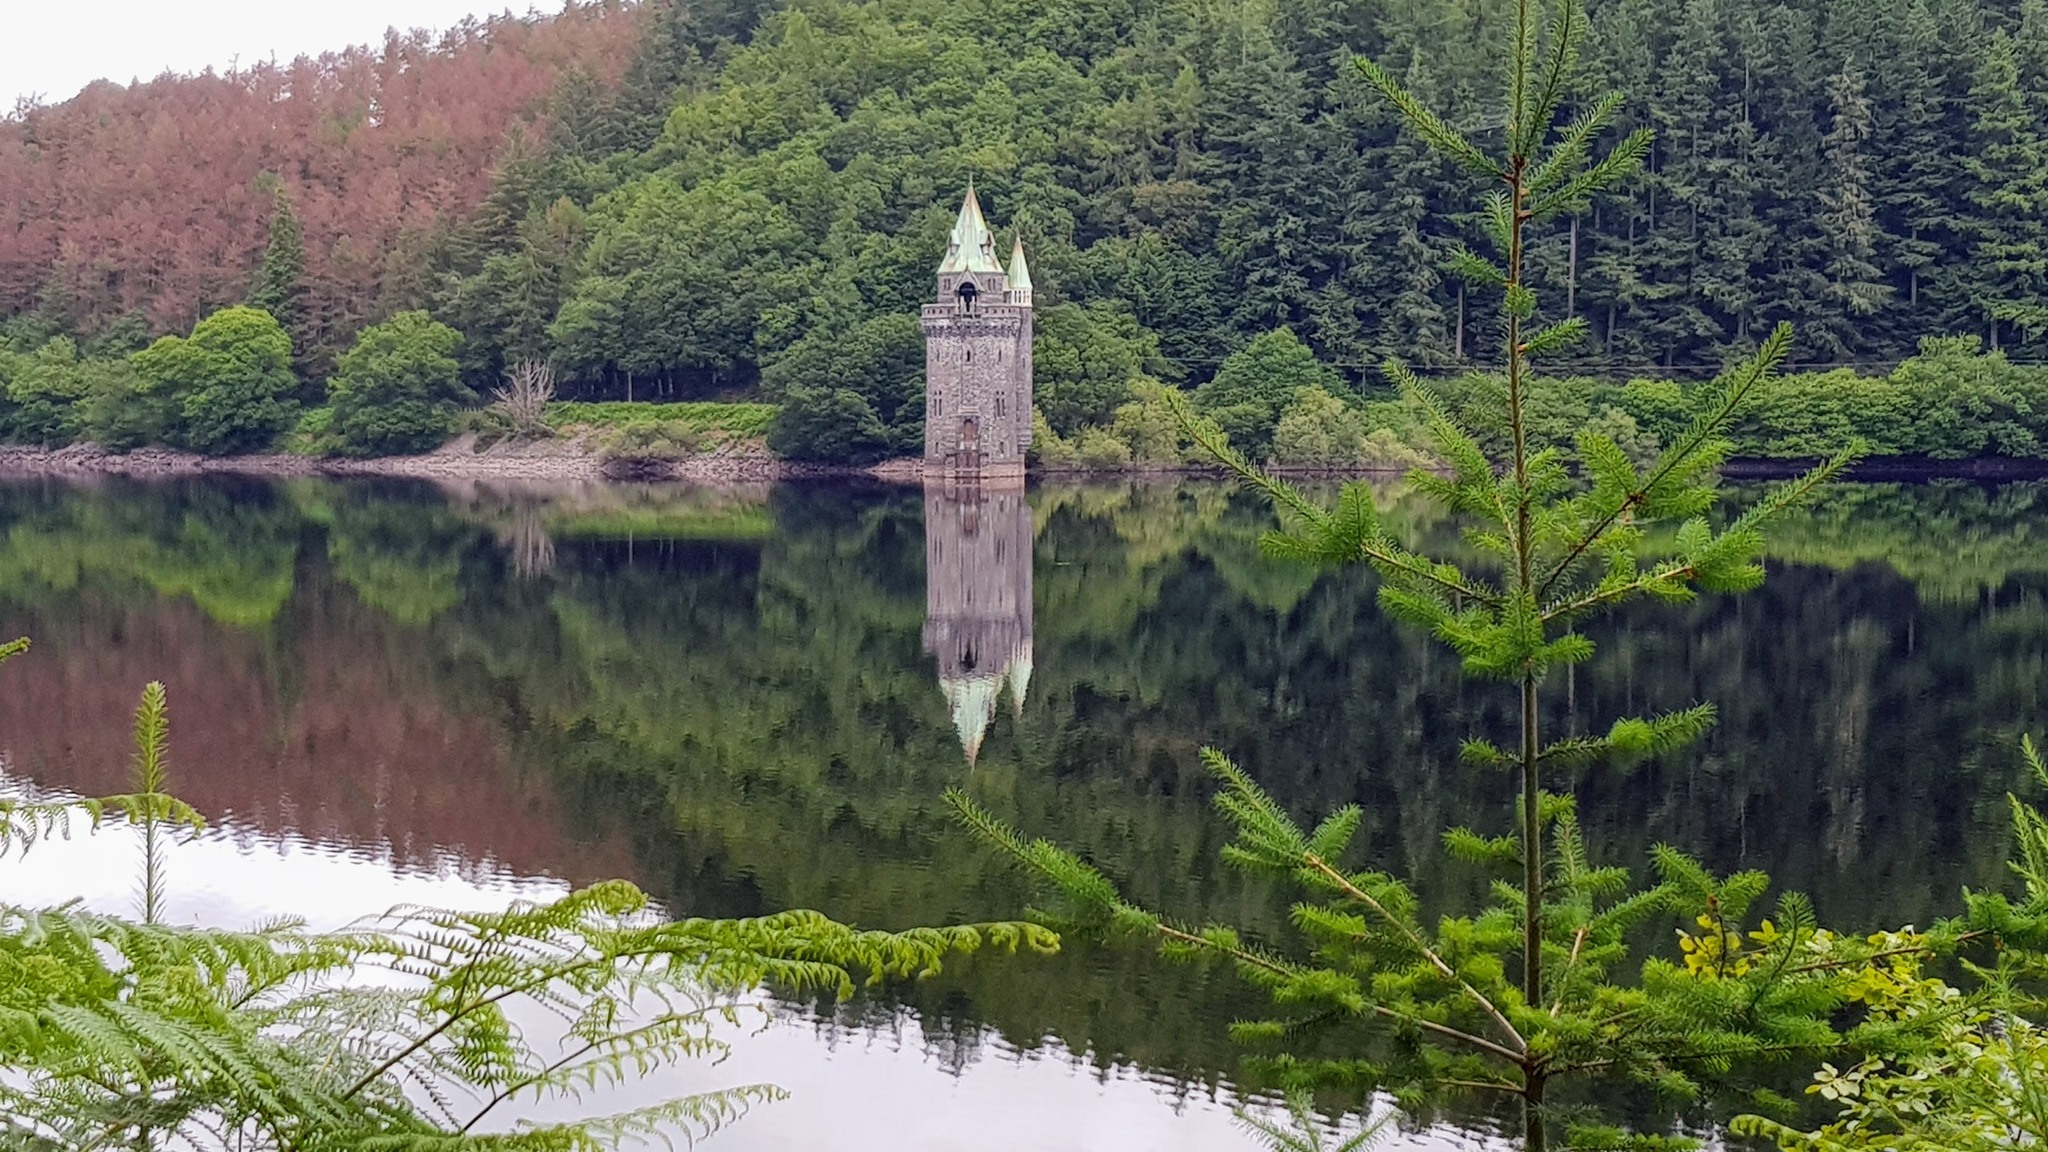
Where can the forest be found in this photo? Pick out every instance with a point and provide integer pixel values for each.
(741, 200)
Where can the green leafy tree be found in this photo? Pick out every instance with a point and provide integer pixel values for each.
(228, 386)
(43, 393)
(398, 389)
(881, 358)
(1085, 362)
(1526, 991)
(1257, 383)
(1320, 430)
(118, 412)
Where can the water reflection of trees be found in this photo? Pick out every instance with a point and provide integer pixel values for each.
(729, 694)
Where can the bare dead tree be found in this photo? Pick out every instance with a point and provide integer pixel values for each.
(529, 386)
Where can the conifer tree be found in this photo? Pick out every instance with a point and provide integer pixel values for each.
(1524, 992)
(280, 282)
(2007, 278)
(1917, 196)
(1848, 220)
(1671, 255)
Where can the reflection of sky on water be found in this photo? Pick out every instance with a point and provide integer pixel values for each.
(870, 1087)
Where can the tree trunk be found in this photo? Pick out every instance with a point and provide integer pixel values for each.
(1534, 1138)
(1571, 281)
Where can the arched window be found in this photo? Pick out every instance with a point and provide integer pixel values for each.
(970, 355)
(967, 292)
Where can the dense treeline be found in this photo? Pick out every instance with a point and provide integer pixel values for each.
(727, 197)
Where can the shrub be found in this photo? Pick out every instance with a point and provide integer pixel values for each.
(1386, 452)
(734, 419)
(1617, 425)
(1249, 428)
(312, 435)
(398, 390)
(1099, 448)
(667, 440)
(836, 426)
(1048, 446)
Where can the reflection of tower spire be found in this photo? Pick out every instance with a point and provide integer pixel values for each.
(978, 602)
(1020, 677)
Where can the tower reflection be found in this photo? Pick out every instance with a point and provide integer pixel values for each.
(977, 548)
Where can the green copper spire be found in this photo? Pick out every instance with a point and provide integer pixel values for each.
(973, 246)
(1020, 272)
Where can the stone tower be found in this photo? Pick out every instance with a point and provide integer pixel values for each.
(977, 358)
(977, 552)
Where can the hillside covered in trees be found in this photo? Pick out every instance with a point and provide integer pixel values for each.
(696, 198)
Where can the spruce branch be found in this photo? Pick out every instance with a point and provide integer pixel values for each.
(1426, 123)
(1624, 160)
(1568, 156)
(1343, 884)
(1352, 534)
(1567, 32)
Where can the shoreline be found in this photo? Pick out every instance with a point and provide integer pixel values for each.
(543, 461)
(565, 460)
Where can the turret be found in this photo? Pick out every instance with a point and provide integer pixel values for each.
(1020, 275)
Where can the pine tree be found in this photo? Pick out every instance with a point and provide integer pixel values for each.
(1672, 255)
(2008, 274)
(1273, 208)
(280, 283)
(1848, 221)
(1784, 170)
(1612, 291)
(1409, 263)
(1522, 993)
(1915, 178)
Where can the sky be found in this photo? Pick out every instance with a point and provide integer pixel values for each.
(53, 49)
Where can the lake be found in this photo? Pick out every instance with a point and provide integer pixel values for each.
(751, 699)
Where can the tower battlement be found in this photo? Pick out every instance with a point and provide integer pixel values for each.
(977, 338)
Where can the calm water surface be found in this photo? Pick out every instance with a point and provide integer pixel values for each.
(752, 699)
